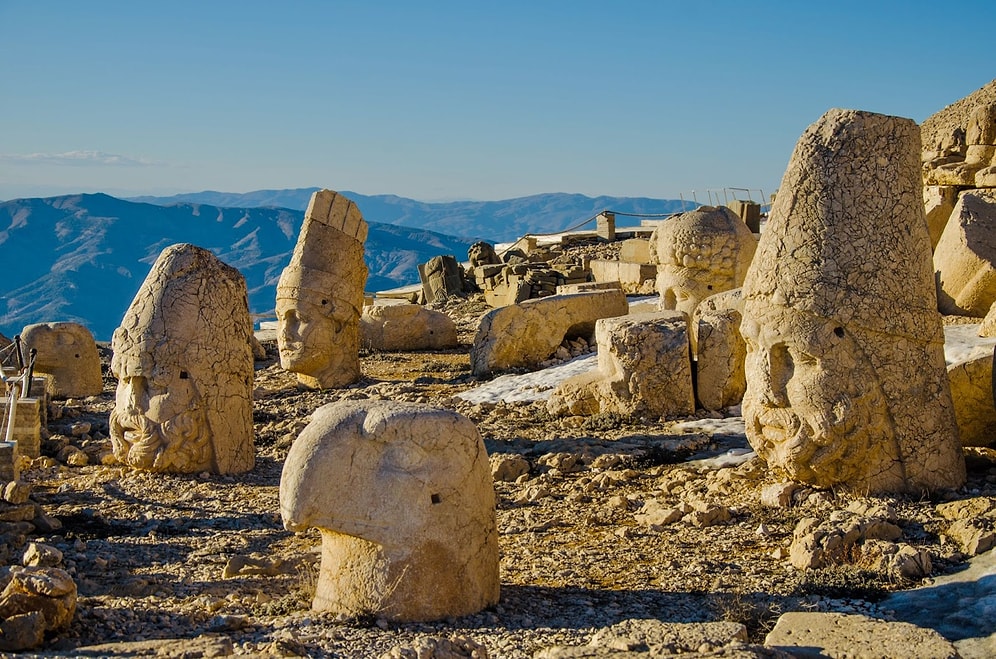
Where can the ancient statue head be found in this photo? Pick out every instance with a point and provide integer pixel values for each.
(403, 496)
(320, 295)
(701, 253)
(67, 354)
(846, 382)
(183, 361)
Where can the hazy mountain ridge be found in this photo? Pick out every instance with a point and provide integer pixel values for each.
(500, 221)
(83, 257)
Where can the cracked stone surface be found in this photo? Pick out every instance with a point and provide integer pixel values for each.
(846, 379)
(67, 354)
(183, 360)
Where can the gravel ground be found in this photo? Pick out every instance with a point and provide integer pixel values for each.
(176, 557)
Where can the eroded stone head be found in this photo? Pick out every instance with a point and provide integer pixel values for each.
(404, 498)
(183, 361)
(320, 294)
(67, 354)
(701, 253)
(846, 383)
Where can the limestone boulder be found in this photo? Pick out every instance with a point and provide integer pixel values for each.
(805, 634)
(721, 353)
(403, 496)
(405, 327)
(938, 203)
(965, 256)
(525, 334)
(442, 276)
(972, 394)
(846, 379)
(644, 368)
(46, 590)
(67, 354)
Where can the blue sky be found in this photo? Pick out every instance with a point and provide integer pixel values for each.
(456, 100)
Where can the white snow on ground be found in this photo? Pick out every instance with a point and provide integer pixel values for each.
(733, 425)
(530, 386)
(962, 343)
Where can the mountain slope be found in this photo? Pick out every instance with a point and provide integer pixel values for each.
(83, 257)
(494, 221)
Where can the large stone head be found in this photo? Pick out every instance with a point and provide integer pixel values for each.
(846, 382)
(405, 501)
(67, 354)
(320, 295)
(701, 253)
(183, 361)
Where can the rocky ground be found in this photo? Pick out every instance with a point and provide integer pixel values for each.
(602, 520)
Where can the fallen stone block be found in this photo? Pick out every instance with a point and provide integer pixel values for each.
(525, 334)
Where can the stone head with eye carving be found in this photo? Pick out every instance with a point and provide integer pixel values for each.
(701, 253)
(846, 381)
(404, 498)
(183, 360)
(320, 295)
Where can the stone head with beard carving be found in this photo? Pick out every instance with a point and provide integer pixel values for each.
(846, 380)
(183, 361)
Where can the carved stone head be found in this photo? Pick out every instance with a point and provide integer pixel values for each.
(183, 360)
(67, 354)
(701, 253)
(320, 295)
(846, 381)
(403, 496)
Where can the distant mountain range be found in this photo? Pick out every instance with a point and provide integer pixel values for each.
(494, 221)
(82, 257)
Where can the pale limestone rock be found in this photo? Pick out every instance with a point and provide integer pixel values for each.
(631, 277)
(403, 496)
(701, 253)
(850, 635)
(720, 378)
(441, 277)
(523, 335)
(972, 395)
(635, 250)
(957, 142)
(183, 359)
(401, 327)
(67, 354)
(643, 369)
(846, 380)
(987, 328)
(48, 590)
(938, 203)
(320, 295)
(965, 256)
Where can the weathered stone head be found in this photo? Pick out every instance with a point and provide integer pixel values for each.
(183, 361)
(320, 295)
(701, 253)
(403, 496)
(67, 354)
(846, 381)
(482, 253)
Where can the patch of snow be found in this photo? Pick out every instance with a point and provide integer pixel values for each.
(731, 426)
(732, 458)
(963, 343)
(538, 385)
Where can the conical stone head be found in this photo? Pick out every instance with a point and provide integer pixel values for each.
(846, 381)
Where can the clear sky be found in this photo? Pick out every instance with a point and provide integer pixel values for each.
(457, 100)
